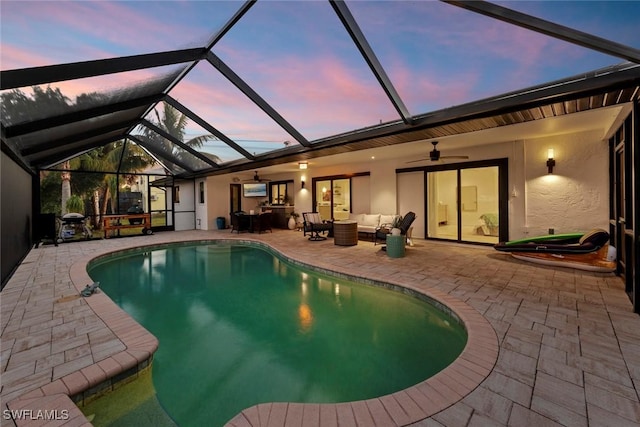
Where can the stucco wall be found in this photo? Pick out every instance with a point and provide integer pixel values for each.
(410, 199)
(184, 211)
(217, 200)
(202, 217)
(576, 196)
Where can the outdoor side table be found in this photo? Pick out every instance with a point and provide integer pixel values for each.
(345, 233)
(395, 246)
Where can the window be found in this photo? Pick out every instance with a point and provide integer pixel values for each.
(201, 191)
(176, 194)
(279, 194)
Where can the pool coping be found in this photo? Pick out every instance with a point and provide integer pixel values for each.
(404, 407)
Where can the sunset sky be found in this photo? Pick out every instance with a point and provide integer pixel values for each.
(299, 58)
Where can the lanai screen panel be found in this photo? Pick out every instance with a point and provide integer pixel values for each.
(438, 55)
(191, 132)
(170, 149)
(612, 20)
(301, 60)
(43, 138)
(215, 99)
(53, 32)
(114, 157)
(47, 158)
(167, 165)
(63, 97)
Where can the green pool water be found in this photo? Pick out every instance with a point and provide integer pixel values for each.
(239, 326)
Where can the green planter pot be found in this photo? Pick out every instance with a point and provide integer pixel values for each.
(395, 246)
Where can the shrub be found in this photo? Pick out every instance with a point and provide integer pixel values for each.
(75, 204)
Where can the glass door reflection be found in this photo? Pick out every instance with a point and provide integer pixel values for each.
(333, 198)
(323, 199)
(442, 202)
(463, 204)
(479, 204)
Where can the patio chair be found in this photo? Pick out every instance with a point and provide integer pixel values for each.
(314, 225)
(263, 222)
(239, 222)
(407, 220)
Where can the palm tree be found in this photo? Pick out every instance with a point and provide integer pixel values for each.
(18, 107)
(109, 158)
(174, 123)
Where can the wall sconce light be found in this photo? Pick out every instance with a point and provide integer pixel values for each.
(302, 165)
(302, 182)
(550, 160)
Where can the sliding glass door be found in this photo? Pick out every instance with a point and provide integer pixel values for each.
(332, 198)
(463, 204)
(442, 201)
(479, 205)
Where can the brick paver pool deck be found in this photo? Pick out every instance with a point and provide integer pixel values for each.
(547, 346)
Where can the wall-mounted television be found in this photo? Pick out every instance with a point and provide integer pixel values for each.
(257, 189)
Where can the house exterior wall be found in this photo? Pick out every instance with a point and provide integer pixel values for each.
(217, 199)
(576, 196)
(573, 198)
(411, 199)
(184, 210)
(202, 216)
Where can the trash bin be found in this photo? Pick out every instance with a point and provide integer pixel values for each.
(221, 223)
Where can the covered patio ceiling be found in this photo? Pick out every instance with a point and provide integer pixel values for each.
(267, 83)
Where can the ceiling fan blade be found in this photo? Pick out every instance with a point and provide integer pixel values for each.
(419, 160)
(454, 157)
(256, 178)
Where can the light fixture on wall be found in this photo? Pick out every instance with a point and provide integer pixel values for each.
(302, 182)
(551, 162)
(302, 165)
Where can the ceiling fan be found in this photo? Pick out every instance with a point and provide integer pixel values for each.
(256, 178)
(434, 155)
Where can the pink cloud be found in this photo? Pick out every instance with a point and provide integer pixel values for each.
(320, 92)
(228, 110)
(14, 57)
(79, 30)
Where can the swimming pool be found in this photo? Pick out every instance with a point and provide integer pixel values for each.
(238, 326)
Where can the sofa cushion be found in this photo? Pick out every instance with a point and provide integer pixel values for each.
(370, 220)
(387, 220)
(356, 217)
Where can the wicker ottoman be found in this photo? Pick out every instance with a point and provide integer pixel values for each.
(345, 233)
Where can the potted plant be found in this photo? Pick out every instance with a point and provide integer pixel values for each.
(395, 227)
